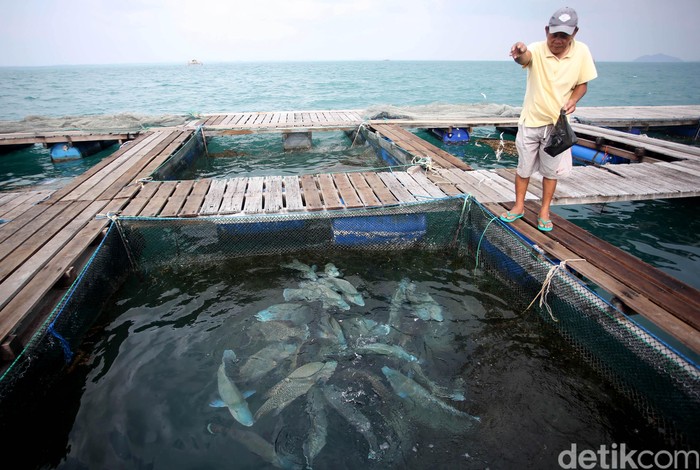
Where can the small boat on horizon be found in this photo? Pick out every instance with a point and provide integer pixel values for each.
(194, 62)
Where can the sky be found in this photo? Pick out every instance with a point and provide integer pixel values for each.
(61, 32)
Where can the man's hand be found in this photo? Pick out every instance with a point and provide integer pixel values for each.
(569, 107)
(519, 53)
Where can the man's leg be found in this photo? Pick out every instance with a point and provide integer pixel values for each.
(548, 187)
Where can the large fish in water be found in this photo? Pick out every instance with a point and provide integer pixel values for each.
(296, 384)
(344, 287)
(410, 389)
(230, 396)
(353, 416)
(309, 272)
(316, 439)
(298, 314)
(263, 361)
(386, 350)
(311, 291)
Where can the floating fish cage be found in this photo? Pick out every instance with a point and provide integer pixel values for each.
(660, 384)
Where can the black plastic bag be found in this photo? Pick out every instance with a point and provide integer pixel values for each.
(562, 137)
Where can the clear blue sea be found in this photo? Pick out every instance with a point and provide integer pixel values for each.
(138, 395)
(669, 242)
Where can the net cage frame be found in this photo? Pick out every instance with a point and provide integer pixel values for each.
(662, 383)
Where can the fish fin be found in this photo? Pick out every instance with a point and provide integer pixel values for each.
(218, 403)
(248, 393)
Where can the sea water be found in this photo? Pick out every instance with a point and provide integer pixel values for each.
(515, 394)
(176, 89)
(139, 393)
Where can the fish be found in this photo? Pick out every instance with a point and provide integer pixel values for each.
(256, 444)
(423, 304)
(397, 301)
(407, 388)
(352, 415)
(230, 396)
(316, 439)
(293, 386)
(359, 327)
(309, 272)
(263, 361)
(330, 328)
(331, 270)
(279, 331)
(314, 291)
(386, 350)
(455, 395)
(299, 314)
(345, 288)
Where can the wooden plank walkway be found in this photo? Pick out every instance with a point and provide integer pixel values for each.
(668, 303)
(56, 137)
(46, 238)
(40, 246)
(643, 117)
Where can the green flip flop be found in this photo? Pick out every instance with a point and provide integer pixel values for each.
(542, 225)
(508, 217)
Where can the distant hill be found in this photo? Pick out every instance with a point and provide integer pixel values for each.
(657, 58)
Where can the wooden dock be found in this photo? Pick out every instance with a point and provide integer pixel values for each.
(47, 237)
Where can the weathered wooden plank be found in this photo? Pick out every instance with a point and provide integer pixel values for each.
(177, 199)
(365, 193)
(233, 197)
(254, 195)
(331, 200)
(195, 199)
(33, 256)
(395, 186)
(311, 193)
(115, 168)
(136, 205)
(21, 204)
(159, 199)
(46, 271)
(10, 228)
(214, 196)
(273, 194)
(24, 242)
(130, 148)
(349, 197)
(473, 184)
(412, 186)
(292, 193)
(443, 184)
(419, 176)
(379, 188)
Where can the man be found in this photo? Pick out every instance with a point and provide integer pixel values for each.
(559, 70)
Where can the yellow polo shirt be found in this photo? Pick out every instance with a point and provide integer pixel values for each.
(551, 80)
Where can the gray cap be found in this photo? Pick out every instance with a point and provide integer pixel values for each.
(564, 20)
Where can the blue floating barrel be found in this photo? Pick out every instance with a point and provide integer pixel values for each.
(585, 154)
(399, 229)
(65, 151)
(454, 135)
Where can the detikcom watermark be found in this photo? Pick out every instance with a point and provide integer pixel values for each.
(619, 456)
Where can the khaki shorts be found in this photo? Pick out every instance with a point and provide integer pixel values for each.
(532, 158)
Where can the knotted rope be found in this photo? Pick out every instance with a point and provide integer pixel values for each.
(542, 294)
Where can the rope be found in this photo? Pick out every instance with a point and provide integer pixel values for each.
(204, 140)
(542, 294)
(478, 246)
(425, 162)
(357, 132)
(115, 219)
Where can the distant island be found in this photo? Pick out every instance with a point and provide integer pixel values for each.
(657, 58)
